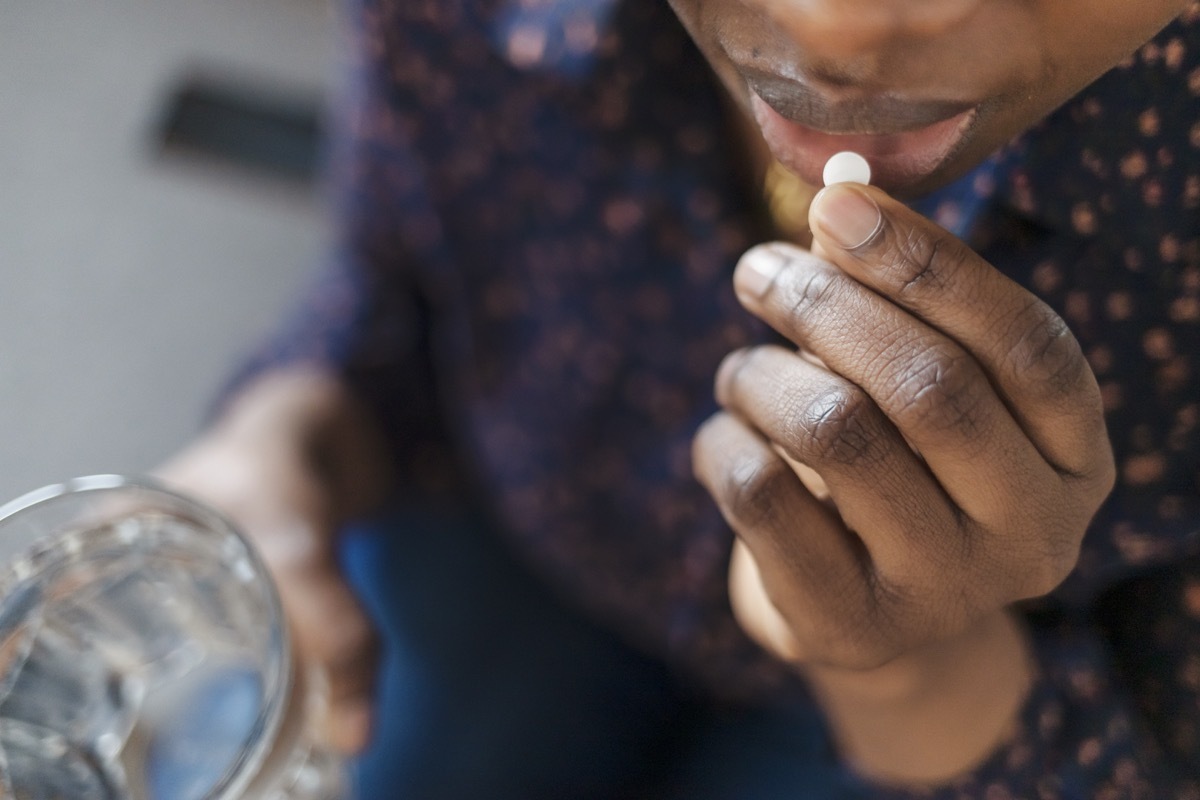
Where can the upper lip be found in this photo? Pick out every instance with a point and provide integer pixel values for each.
(881, 113)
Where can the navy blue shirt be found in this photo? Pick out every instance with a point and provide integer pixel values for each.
(540, 210)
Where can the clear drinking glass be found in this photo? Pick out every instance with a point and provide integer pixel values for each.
(144, 655)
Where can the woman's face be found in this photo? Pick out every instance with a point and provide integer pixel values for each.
(924, 89)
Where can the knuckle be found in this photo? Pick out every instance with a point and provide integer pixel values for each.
(1031, 553)
(1058, 557)
(1098, 477)
(753, 489)
(1052, 566)
(855, 641)
(856, 625)
(943, 391)
(1058, 570)
(813, 288)
(835, 428)
(1047, 357)
(923, 260)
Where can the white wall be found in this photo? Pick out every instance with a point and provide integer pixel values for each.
(129, 284)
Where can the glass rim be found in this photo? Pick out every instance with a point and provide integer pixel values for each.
(244, 768)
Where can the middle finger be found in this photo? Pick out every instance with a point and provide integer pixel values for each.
(930, 387)
(881, 489)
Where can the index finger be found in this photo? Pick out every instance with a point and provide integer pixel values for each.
(1026, 349)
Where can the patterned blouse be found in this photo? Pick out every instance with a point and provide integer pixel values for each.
(540, 212)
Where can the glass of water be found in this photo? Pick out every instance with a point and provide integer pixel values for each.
(144, 655)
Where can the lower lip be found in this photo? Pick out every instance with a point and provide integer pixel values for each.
(897, 160)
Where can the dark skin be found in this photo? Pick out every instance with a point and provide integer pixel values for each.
(858, 64)
(936, 449)
(997, 398)
(893, 598)
(962, 445)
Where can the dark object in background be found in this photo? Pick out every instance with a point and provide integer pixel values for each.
(246, 125)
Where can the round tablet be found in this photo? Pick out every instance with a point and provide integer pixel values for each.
(847, 167)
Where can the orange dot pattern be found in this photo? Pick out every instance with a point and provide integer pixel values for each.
(540, 211)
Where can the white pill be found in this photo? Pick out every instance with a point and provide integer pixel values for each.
(847, 167)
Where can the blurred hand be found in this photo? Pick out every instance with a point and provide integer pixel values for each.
(291, 459)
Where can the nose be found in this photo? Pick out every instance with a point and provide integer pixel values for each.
(848, 30)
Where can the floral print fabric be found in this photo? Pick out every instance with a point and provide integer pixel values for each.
(540, 211)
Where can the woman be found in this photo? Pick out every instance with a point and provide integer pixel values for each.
(541, 208)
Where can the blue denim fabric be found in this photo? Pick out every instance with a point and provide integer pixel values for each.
(491, 688)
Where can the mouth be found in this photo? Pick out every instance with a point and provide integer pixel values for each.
(904, 141)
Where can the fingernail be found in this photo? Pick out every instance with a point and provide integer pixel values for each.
(757, 271)
(725, 373)
(847, 215)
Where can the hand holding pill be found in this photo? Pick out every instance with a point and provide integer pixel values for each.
(952, 416)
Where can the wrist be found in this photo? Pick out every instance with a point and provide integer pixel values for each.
(933, 713)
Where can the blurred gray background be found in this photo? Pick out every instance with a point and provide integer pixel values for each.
(133, 281)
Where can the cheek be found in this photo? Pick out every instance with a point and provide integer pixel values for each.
(1066, 56)
(1080, 53)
